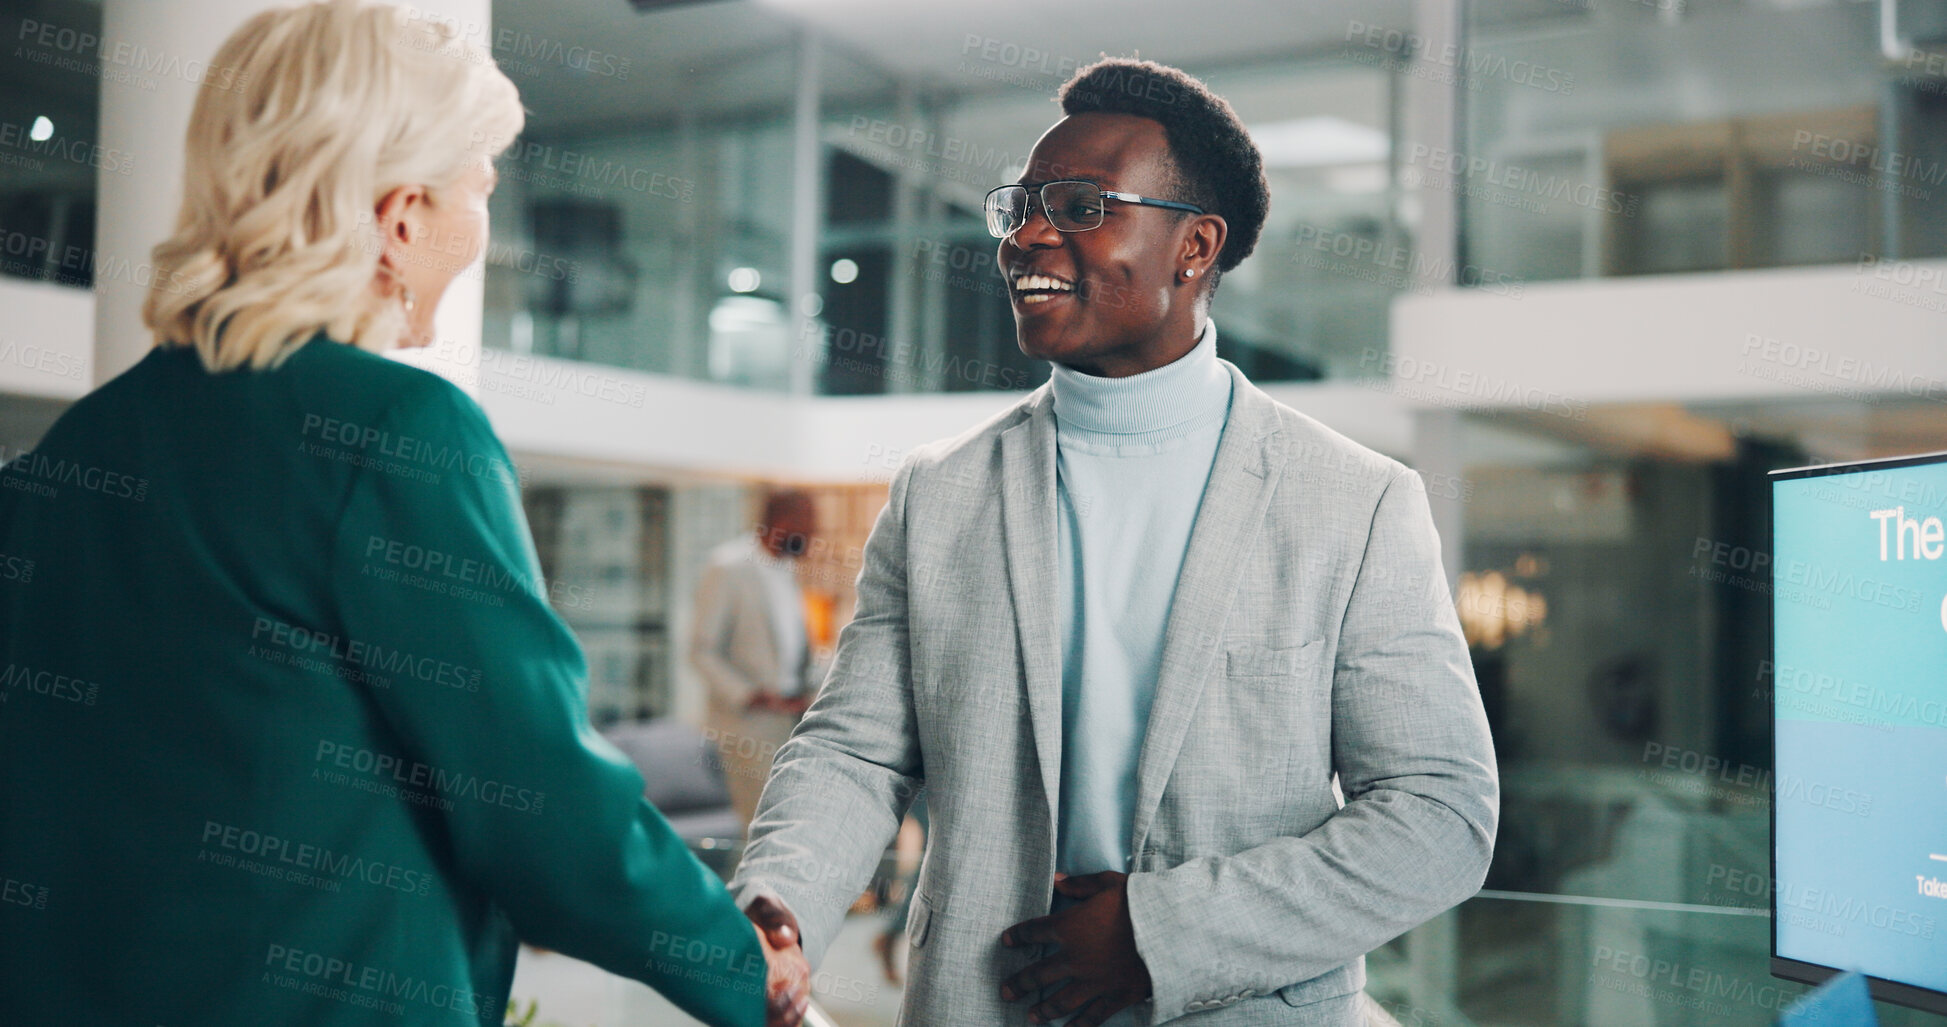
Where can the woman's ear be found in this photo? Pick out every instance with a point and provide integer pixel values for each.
(396, 213)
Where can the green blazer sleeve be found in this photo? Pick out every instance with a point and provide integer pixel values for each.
(558, 833)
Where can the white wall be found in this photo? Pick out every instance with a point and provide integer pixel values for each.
(1848, 331)
(46, 335)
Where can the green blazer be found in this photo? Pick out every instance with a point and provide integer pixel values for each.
(288, 731)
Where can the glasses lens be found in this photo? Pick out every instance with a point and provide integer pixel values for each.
(1073, 206)
(1007, 208)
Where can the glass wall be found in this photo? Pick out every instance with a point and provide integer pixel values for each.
(1616, 597)
(51, 72)
(1625, 137)
(654, 231)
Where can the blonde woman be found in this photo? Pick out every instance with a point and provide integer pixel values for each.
(288, 732)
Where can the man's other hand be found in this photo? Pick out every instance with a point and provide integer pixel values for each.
(1095, 954)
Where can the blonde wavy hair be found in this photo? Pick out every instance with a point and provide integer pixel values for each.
(332, 106)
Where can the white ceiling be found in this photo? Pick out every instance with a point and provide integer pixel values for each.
(929, 40)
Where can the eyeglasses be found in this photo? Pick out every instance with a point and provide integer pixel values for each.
(1072, 205)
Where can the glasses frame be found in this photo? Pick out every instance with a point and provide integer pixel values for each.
(1039, 193)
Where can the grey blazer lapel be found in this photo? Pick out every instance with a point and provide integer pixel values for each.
(1028, 521)
(1242, 478)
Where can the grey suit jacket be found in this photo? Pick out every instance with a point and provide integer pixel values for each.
(1311, 634)
(733, 643)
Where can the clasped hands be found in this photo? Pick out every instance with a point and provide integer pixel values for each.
(1094, 955)
(787, 988)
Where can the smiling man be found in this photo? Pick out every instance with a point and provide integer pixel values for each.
(1130, 634)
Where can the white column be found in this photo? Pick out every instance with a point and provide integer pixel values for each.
(1431, 112)
(807, 210)
(146, 114)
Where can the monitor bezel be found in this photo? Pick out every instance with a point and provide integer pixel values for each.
(1897, 992)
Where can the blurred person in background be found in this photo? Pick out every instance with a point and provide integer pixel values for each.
(1133, 636)
(750, 643)
(289, 733)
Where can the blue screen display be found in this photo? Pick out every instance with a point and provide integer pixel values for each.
(1859, 689)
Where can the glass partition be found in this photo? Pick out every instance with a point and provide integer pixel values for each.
(1616, 596)
(656, 234)
(1623, 137)
(51, 74)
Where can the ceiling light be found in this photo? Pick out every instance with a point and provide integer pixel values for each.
(1319, 141)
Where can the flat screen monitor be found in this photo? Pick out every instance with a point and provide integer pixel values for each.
(1859, 706)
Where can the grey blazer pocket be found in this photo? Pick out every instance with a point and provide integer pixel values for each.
(1331, 984)
(918, 920)
(1264, 661)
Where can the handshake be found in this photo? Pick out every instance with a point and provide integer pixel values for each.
(788, 985)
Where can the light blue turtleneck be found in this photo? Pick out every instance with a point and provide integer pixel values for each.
(1133, 456)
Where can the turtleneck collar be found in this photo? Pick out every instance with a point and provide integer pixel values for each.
(1189, 389)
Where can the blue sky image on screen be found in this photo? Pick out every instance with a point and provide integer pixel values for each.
(1859, 687)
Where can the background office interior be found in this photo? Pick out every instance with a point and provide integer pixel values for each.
(1592, 266)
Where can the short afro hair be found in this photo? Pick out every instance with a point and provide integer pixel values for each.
(1216, 165)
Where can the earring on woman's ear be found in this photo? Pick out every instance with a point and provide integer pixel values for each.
(1189, 272)
(405, 291)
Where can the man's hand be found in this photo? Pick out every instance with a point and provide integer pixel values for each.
(1096, 954)
(789, 988)
(771, 702)
(764, 702)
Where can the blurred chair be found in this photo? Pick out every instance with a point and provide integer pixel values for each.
(683, 778)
